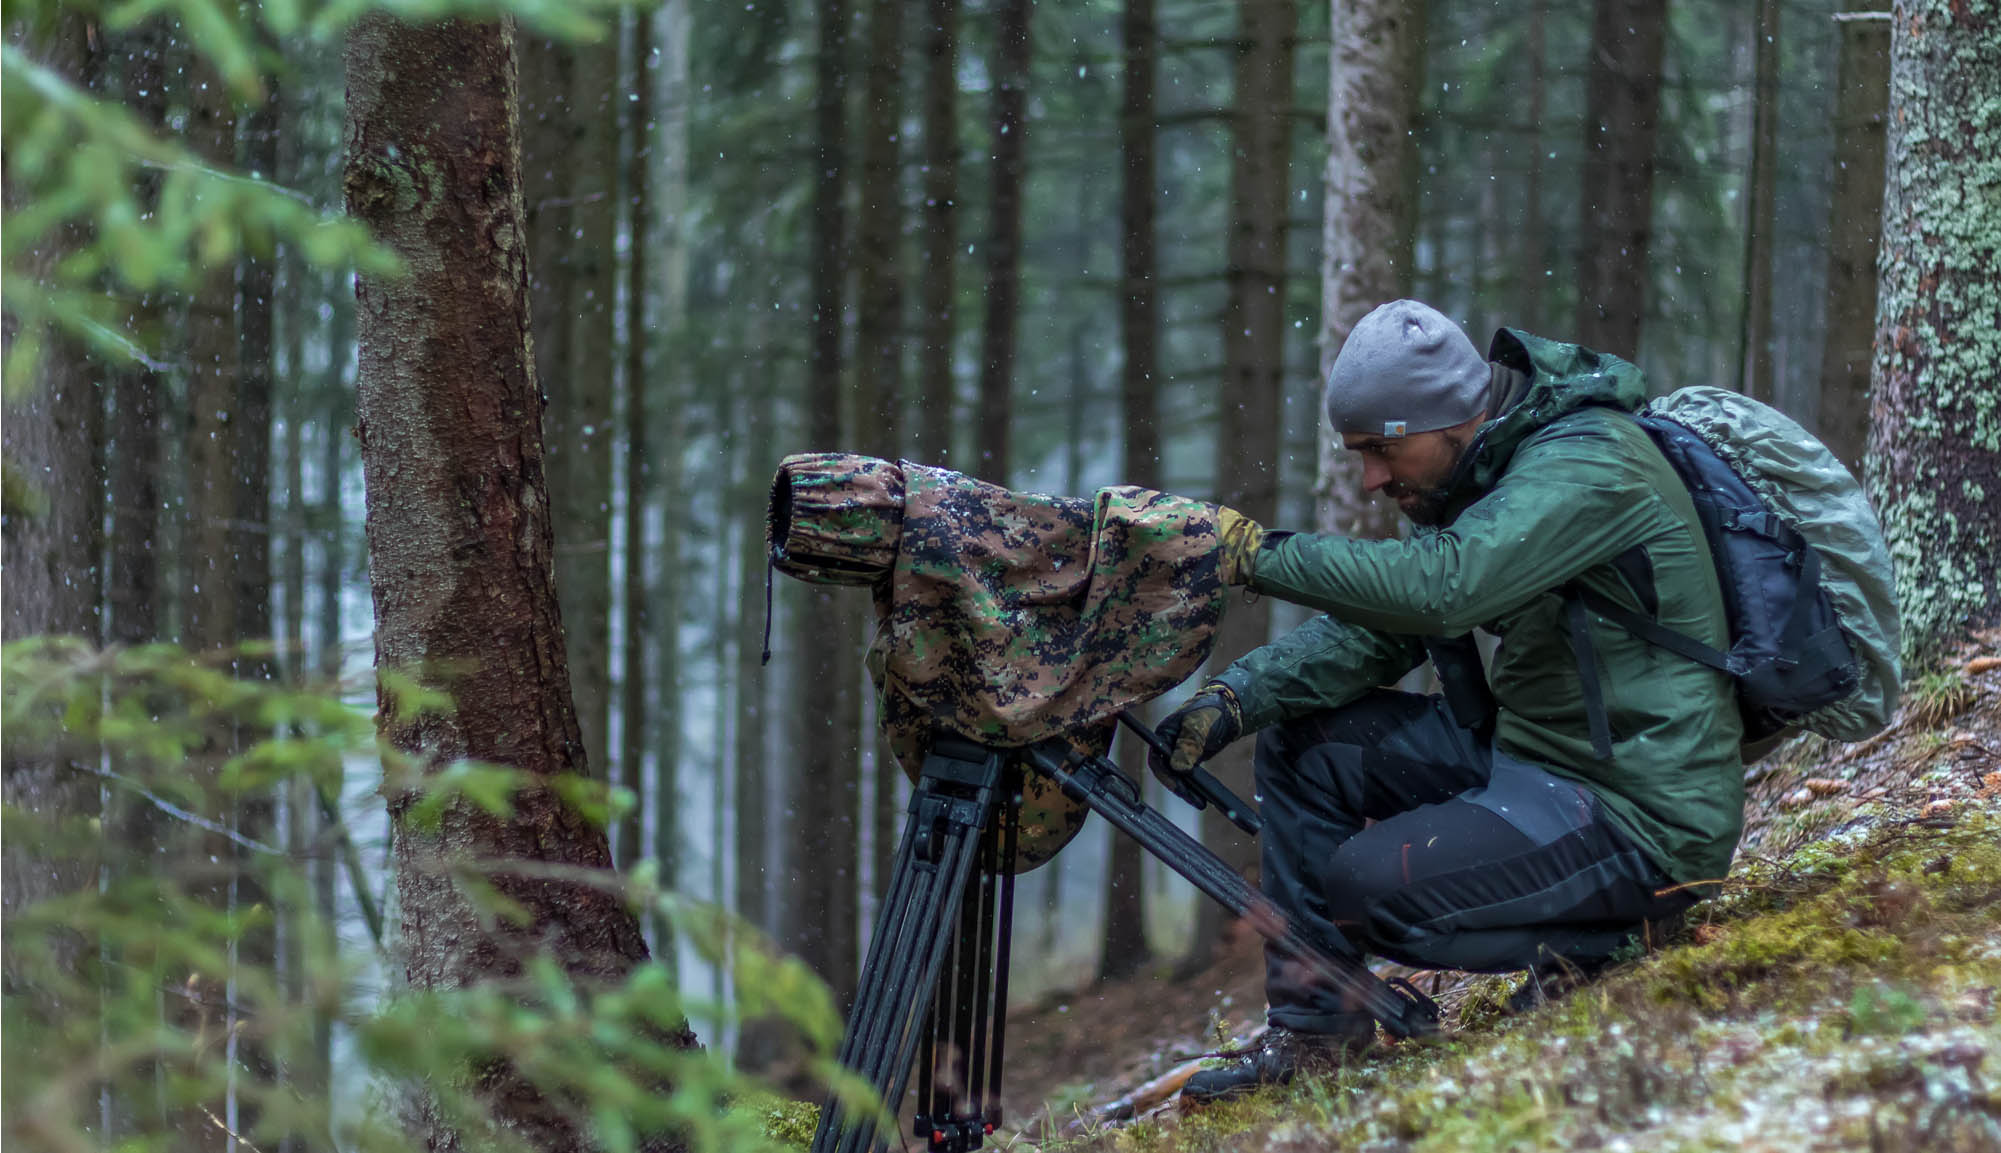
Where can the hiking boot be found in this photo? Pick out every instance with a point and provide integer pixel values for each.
(1280, 1055)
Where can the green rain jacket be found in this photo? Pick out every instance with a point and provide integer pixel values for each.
(1550, 491)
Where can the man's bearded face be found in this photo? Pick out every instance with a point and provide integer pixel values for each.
(1413, 470)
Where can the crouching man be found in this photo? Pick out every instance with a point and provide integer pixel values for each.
(1537, 815)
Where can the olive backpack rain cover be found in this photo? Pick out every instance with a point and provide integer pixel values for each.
(1005, 617)
(1818, 505)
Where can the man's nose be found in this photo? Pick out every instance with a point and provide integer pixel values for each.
(1375, 474)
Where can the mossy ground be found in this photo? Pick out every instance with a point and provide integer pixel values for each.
(1846, 1001)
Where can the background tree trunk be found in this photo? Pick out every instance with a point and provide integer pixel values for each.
(132, 587)
(940, 231)
(670, 220)
(1532, 260)
(1862, 96)
(1754, 372)
(1247, 446)
(1126, 950)
(825, 896)
(1934, 467)
(1622, 113)
(1375, 65)
(570, 158)
(459, 535)
(635, 701)
(1008, 180)
(215, 420)
(879, 326)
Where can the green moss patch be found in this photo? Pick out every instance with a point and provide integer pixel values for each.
(1843, 997)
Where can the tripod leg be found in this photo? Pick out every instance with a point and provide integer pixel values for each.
(1098, 783)
(948, 814)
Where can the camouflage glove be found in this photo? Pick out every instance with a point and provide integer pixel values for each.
(1241, 538)
(1197, 731)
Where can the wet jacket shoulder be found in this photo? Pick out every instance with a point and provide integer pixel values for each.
(1561, 487)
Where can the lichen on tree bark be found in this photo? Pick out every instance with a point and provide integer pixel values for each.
(1934, 462)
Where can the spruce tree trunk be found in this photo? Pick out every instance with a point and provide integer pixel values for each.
(1008, 179)
(1862, 96)
(570, 156)
(879, 328)
(1622, 114)
(672, 198)
(824, 897)
(1934, 465)
(940, 234)
(1126, 950)
(215, 418)
(1532, 244)
(51, 436)
(1754, 373)
(132, 587)
(459, 535)
(1248, 445)
(634, 700)
(1376, 66)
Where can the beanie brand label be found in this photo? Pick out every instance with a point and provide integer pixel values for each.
(1393, 428)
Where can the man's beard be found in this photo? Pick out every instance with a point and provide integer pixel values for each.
(1429, 506)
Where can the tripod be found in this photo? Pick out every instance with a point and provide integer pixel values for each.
(934, 985)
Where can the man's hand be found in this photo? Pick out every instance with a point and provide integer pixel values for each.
(1241, 538)
(1197, 731)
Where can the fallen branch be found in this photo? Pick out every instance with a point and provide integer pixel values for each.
(1153, 1093)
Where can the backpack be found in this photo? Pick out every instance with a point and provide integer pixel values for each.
(1805, 574)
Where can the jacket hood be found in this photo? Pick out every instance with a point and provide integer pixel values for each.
(1562, 379)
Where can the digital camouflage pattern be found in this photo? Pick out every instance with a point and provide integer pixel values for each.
(1005, 617)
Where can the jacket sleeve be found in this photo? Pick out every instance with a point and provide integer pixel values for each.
(1567, 503)
(1322, 664)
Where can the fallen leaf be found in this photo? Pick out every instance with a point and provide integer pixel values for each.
(1707, 934)
(1824, 786)
(1979, 665)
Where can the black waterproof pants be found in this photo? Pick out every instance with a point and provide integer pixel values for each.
(1475, 861)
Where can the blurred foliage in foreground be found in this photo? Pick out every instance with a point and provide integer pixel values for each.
(173, 974)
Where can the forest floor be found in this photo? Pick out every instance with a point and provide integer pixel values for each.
(1841, 993)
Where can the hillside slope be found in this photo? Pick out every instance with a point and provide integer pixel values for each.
(1840, 994)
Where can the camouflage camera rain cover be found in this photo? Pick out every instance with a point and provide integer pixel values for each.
(1005, 617)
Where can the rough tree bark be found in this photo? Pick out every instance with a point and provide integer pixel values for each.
(50, 541)
(1369, 231)
(1934, 464)
(940, 233)
(1248, 444)
(459, 535)
(1862, 96)
(1008, 179)
(1622, 112)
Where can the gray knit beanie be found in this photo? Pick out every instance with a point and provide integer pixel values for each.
(1406, 368)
